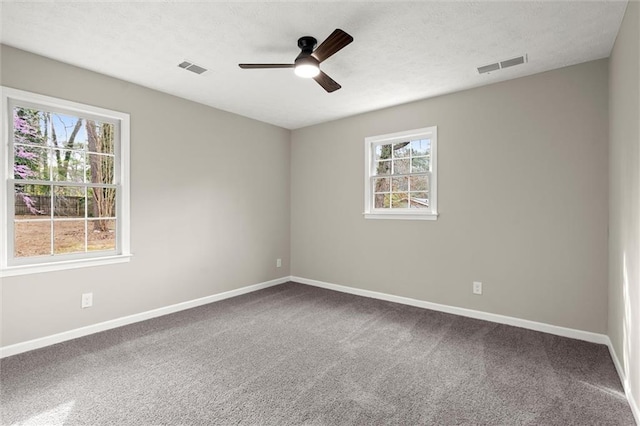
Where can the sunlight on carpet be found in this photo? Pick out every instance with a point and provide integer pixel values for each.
(54, 417)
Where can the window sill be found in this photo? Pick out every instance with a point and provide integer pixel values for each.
(401, 216)
(11, 271)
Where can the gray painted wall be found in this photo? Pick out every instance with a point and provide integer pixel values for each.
(522, 187)
(624, 213)
(209, 197)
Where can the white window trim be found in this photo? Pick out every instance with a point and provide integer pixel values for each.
(6, 173)
(403, 214)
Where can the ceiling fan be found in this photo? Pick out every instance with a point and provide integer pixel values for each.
(307, 64)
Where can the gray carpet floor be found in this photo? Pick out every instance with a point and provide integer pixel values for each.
(295, 354)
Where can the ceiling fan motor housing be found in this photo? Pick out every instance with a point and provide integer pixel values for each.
(306, 44)
(305, 64)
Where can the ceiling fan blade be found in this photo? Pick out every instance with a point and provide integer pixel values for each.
(259, 66)
(336, 41)
(326, 82)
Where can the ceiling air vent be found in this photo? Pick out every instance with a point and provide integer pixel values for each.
(489, 68)
(502, 64)
(192, 67)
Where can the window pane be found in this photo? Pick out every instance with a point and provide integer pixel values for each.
(66, 131)
(420, 165)
(399, 184)
(28, 126)
(383, 152)
(381, 185)
(399, 200)
(419, 200)
(68, 236)
(32, 238)
(382, 201)
(100, 137)
(68, 165)
(30, 162)
(401, 150)
(101, 235)
(401, 166)
(419, 183)
(32, 201)
(68, 201)
(100, 168)
(383, 167)
(420, 147)
(102, 202)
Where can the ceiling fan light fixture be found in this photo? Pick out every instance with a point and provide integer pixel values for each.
(307, 67)
(307, 70)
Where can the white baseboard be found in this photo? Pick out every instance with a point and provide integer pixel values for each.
(625, 382)
(501, 319)
(119, 322)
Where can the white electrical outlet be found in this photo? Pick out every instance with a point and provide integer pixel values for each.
(477, 287)
(278, 263)
(87, 300)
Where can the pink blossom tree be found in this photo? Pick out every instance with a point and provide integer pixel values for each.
(25, 160)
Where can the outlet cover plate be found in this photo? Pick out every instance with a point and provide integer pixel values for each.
(87, 300)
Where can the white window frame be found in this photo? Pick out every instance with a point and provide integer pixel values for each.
(370, 212)
(10, 266)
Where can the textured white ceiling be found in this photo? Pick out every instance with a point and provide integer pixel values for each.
(403, 51)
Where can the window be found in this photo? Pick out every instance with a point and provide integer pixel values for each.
(65, 171)
(400, 175)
